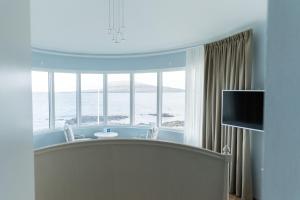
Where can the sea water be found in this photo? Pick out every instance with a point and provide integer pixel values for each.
(118, 106)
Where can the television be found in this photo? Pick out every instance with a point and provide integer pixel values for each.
(243, 109)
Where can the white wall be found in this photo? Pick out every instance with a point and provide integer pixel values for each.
(259, 72)
(282, 119)
(258, 25)
(16, 155)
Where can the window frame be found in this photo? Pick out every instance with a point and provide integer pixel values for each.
(130, 100)
(159, 72)
(48, 93)
(134, 97)
(162, 103)
(79, 96)
(53, 99)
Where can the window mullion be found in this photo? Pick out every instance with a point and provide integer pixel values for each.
(78, 99)
(159, 99)
(132, 99)
(105, 99)
(51, 96)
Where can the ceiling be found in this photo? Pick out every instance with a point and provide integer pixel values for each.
(80, 26)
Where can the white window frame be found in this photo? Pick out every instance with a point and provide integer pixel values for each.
(105, 104)
(132, 99)
(159, 99)
(78, 99)
(104, 99)
(161, 103)
(51, 96)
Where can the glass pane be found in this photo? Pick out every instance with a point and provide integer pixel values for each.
(118, 89)
(145, 98)
(65, 98)
(40, 101)
(173, 102)
(91, 99)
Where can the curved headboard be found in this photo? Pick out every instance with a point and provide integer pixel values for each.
(129, 170)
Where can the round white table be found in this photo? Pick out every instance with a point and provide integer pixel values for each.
(106, 134)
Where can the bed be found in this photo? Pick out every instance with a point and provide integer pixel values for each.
(129, 170)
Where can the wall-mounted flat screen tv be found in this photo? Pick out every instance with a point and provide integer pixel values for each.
(243, 109)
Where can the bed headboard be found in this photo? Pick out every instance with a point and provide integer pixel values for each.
(129, 170)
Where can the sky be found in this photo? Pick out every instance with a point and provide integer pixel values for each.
(39, 81)
(66, 82)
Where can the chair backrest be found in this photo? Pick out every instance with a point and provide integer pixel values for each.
(152, 133)
(69, 134)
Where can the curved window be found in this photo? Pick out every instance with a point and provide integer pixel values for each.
(65, 98)
(40, 100)
(118, 99)
(135, 98)
(145, 102)
(173, 99)
(91, 99)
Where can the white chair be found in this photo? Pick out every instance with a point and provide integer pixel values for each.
(152, 132)
(70, 136)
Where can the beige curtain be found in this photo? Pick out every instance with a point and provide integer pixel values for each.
(228, 65)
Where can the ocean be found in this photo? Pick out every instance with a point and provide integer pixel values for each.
(118, 109)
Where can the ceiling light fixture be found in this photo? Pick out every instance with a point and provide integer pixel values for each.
(116, 20)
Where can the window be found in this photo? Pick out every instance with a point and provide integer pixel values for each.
(145, 98)
(65, 98)
(101, 99)
(40, 100)
(91, 99)
(118, 98)
(173, 99)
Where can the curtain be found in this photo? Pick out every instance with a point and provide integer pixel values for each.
(228, 65)
(194, 96)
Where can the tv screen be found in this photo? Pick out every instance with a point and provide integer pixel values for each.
(243, 108)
